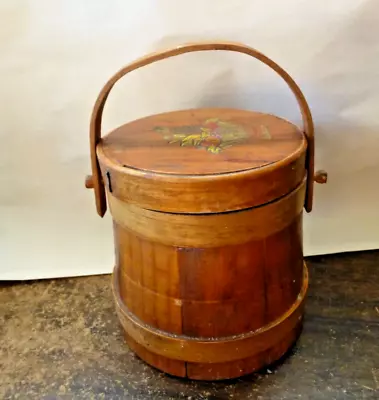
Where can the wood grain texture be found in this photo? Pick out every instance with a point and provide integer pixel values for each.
(96, 118)
(168, 365)
(215, 371)
(222, 289)
(149, 280)
(205, 292)
(283, 268)
(211, 229)
(203, 193)
(203, 141)
(223, 292)
(241, 289)
(213, 350)
(158, 311)
(222, 310)
(150, 264)
(238, 368)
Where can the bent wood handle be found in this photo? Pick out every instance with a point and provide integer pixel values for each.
(95, 181)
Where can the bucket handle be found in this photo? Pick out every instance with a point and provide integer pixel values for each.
(95, 182)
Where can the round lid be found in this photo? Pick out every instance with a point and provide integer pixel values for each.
(203, 142)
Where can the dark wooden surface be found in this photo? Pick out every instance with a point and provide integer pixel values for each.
(60, 339)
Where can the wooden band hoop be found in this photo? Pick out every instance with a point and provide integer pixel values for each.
(209, 350)
(95, 181)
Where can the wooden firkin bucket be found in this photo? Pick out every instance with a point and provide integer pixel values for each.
(209, 281)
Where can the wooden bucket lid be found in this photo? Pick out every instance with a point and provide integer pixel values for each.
(224, 159)
(203, 160)
(203, 142)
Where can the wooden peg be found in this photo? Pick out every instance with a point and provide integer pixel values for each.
(89, 182)
(321, 176)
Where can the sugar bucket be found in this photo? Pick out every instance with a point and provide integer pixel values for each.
(209, 280)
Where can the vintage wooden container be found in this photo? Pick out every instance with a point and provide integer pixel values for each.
(207, 204)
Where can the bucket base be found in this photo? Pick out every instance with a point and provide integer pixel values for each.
(212, 359)
(217, 371)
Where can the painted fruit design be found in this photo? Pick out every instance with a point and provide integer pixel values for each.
(213, 135)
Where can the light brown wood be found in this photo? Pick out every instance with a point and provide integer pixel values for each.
(203, 193)
(209, 230)
(205, 141)
(96, 119)
(151, 307)
(224, 179)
